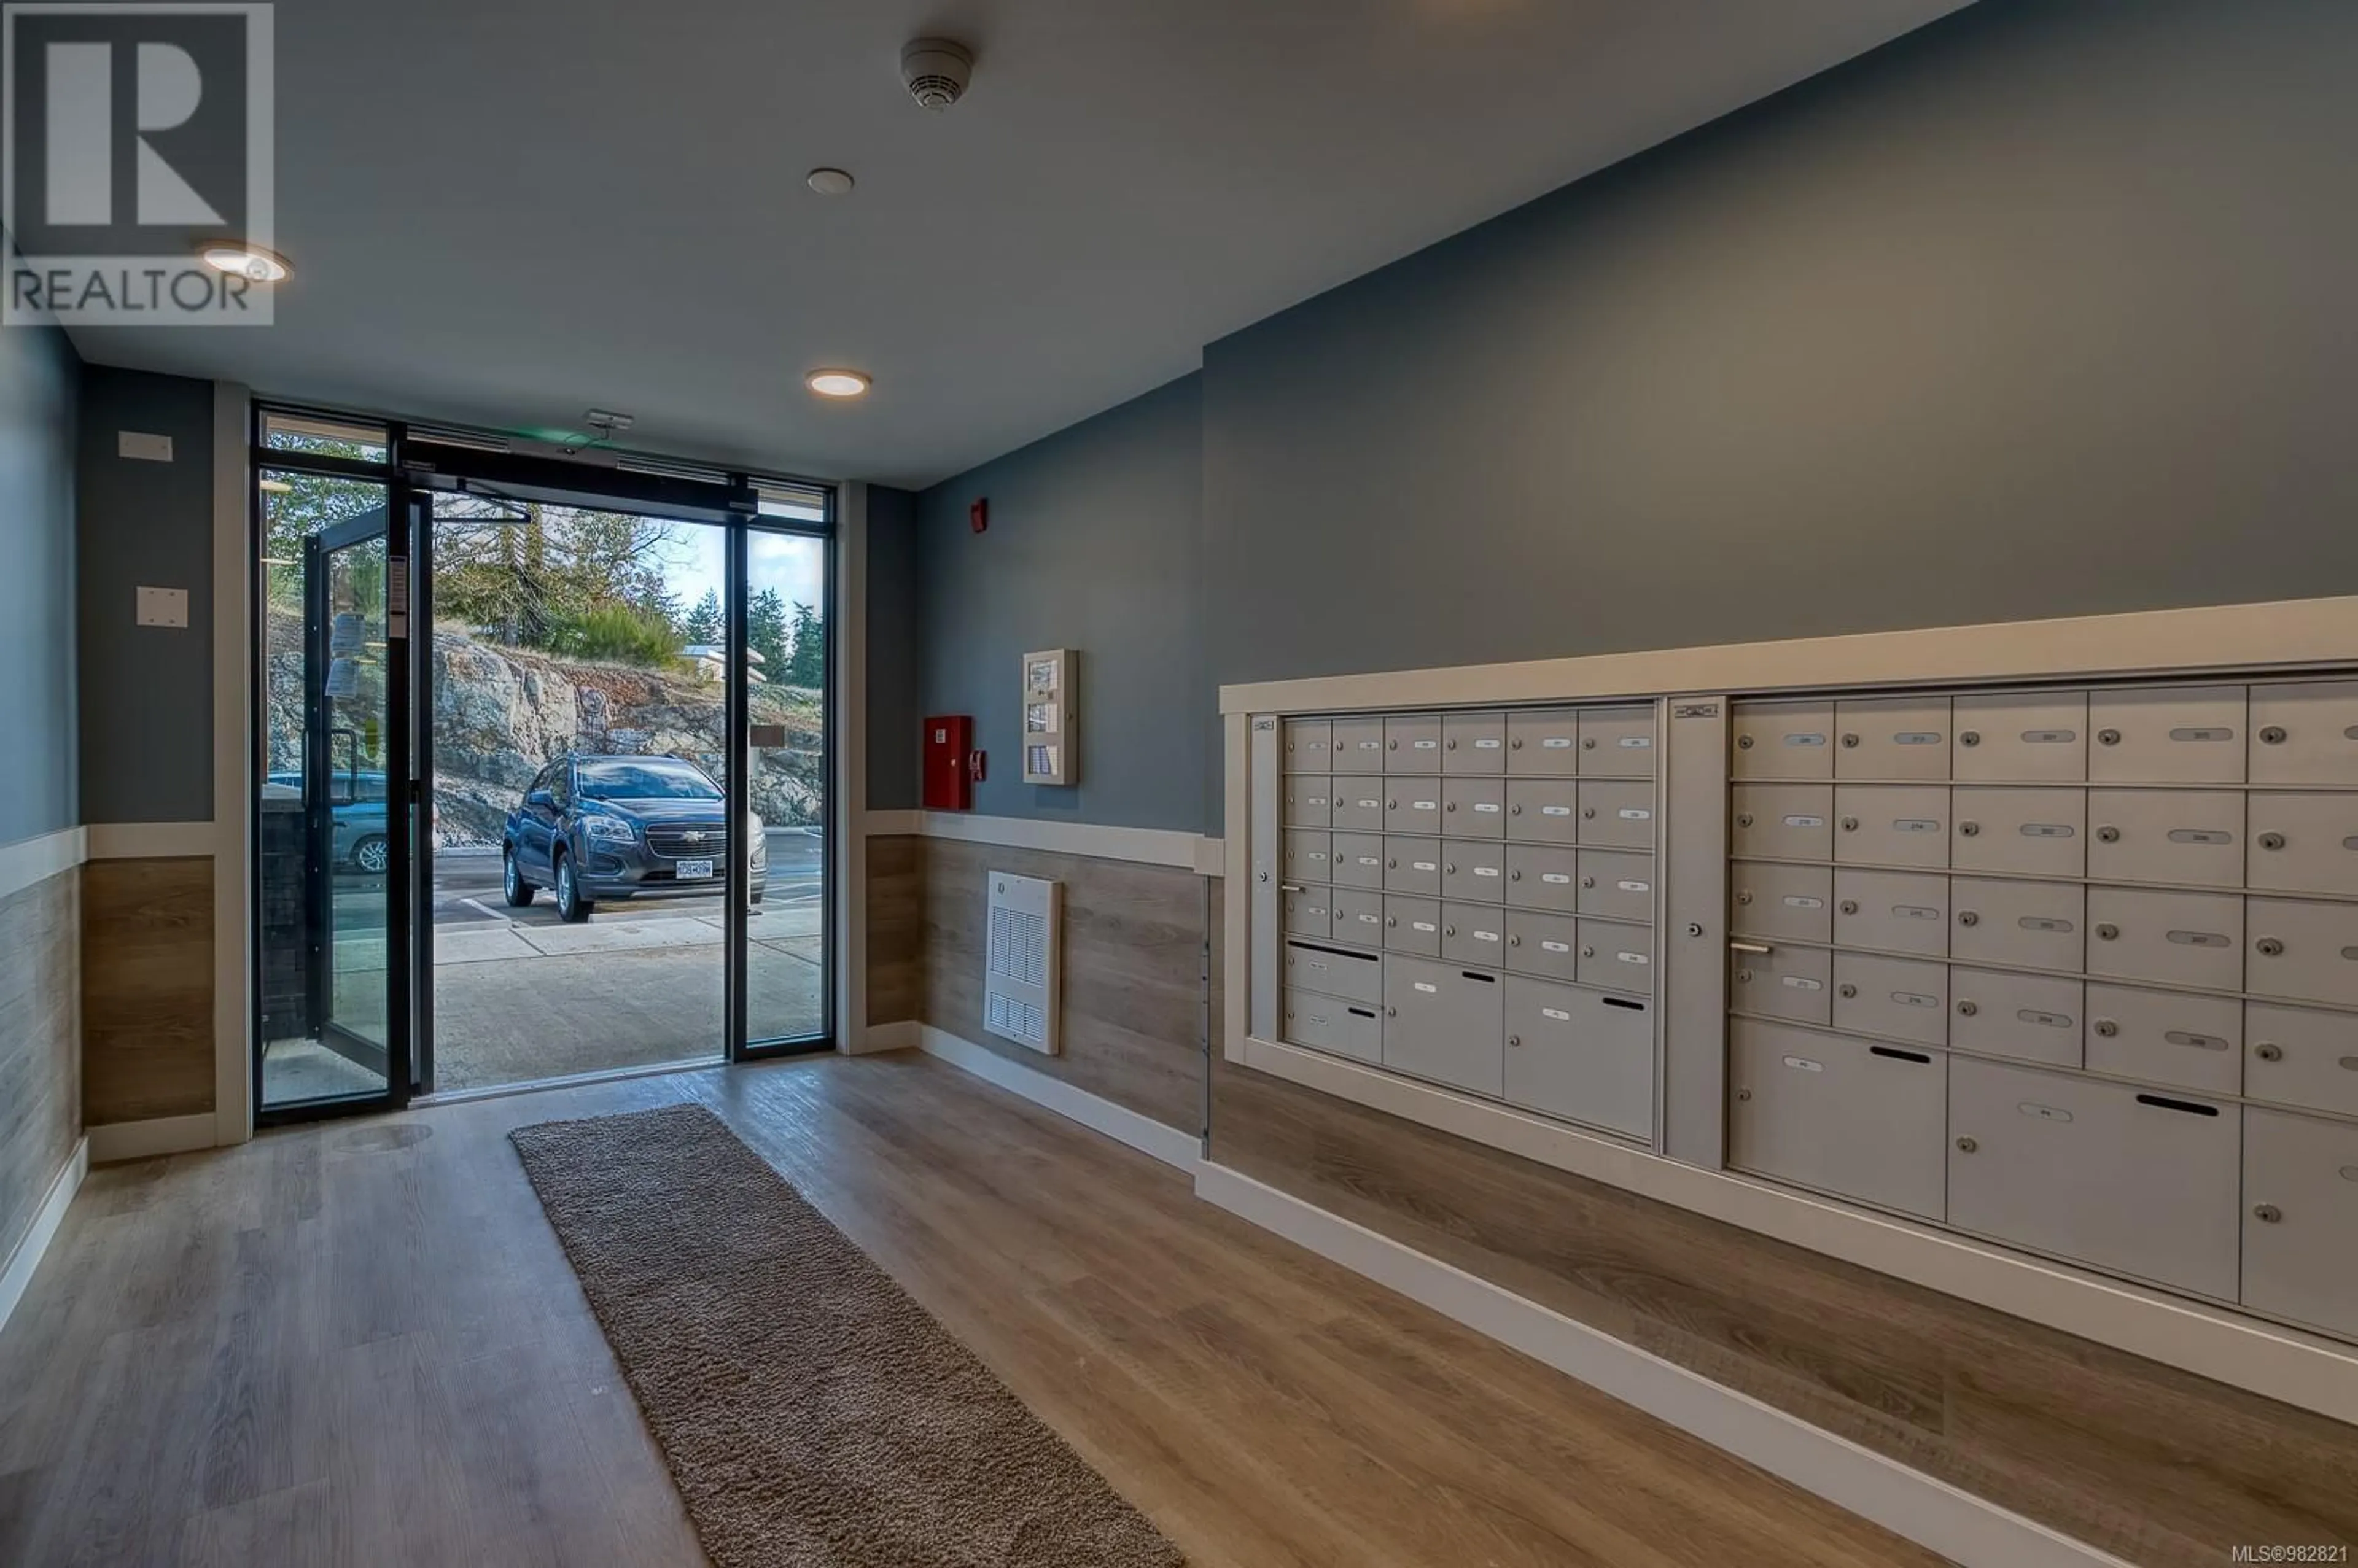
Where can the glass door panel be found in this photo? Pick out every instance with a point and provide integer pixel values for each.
(787, 667)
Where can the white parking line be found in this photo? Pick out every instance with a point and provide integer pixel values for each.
(485, 910)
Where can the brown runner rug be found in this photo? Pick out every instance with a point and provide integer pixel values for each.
(813, 1415)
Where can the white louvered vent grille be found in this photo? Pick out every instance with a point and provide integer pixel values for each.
(1020, 960)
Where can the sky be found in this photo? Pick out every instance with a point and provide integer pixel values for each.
(793, 564)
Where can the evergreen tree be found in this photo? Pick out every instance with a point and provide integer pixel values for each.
(807, 666)
(767, 633)
(704, 623)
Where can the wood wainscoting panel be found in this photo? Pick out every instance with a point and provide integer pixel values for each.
(1132, 971)
(147, 989)
(40, 1062)
(896, 926)
(2154, 1465)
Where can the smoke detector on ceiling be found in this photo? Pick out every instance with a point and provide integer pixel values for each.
(936, 71)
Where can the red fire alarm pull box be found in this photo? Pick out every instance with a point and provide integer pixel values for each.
(949, 779)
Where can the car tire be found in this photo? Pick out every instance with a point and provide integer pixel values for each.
(571, 908)
(372, 854)
(515, 890)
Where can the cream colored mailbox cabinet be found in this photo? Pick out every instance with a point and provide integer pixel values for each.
(2044, 935)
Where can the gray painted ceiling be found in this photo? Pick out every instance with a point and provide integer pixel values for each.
(508, 213)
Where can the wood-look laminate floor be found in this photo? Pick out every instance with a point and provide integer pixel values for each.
(359, 1343)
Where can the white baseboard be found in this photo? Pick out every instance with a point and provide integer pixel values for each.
(905, 1034)
(140, 1140)
(36, 860)
(26, 1256)
(1935, 1515)
(1171, 1145)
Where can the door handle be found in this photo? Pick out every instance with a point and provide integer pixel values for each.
(1750, 947)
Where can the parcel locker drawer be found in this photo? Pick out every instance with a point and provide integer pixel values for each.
(1791, 983)
(2026, 832)
(1360, 803)
(1580, 1056)
(1793, 903)
(1906, 999)
(2035, 925)
(2176, 939)
(1308, 856)
(1618, 741)
(1309, 745)
(1617, 814)
(1411, 803)
(2139, 1181)
(1545, 811)
(1618, 956)
(1309, 801)
(1412, 865)
(1543, 944)
(1328, 1024)
(1783, 740)
(1359, 916)
(1898, 911)
(2297, 1056)
(1474, 934)
(1543, 743)
(1412, 925)
(2167, 1037)
(2305, 734)
(1892, 738)
(2304, 843)
(2167, 836)
(2022, 737)
(1358, 745)
(2301, 1218)
(1474, 743)
(1445, 1022)
(2177, 735)
(2034, 1018)
(2303, 951)
(1616, 881)
(1783, 822)
(1310, 912)
(1412, 745)
(1358, 860)
(1892, 825)
(1474, 872)
(1842, 1116)
(1353, 976)
(1474, 807)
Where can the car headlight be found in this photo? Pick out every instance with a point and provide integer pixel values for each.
(608, 828)
(761, 844)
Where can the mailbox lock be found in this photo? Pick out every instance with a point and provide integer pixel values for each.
(1969, 738)
(1588, 952)
(2273, 735)
(1850, 907)
(2268, 1053)
(1590, 813)
(1848, 989)
(1393, 745)
(2268, 1213)
(1743, 897)
(1450, 866)
(1744, 819)
(1695, 927)
(1516, 744)
(1850, 824)
(1449, 930)
(2270, 948)
(1451, 807)
(2107, 1027)
(1452, 744)
(1744, 742)
(1588, 881)
(1969, 1008)
(1391, 922)
(1394, 806)
(2108, 932)
(1391, 1012)
(1744, 977)
(1514, 1040)
(2109, 834)
(1264, 876)
(1967, 1145)
(1851, 741)
(2108, 736)
(1744, 1094)
(1967, 917)
(1969, 829)
(1514, 941)
(1589, 743)
(2272, 840)
(1516, 809)
(1392, 864)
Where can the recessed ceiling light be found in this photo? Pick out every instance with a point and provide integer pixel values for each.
(830, 182)
(836, 383)
(245, 261)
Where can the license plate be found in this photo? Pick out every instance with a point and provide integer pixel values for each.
(693, 871)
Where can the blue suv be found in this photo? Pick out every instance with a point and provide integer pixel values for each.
(598, 827)
(356, 817)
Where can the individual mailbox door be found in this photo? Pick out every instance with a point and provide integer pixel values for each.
(2167, 836)
(1784, 822)
(1892, 738)
(1617, 814)
(1580, 1056)
(1359, 859)
(1340, 1028)
(1474, 743)
(1784, 903)
(2026, 737)
(1412, 743)
(2132, 1180)
(1892, 825)
(1906, 999)
(1445, 1022)
(2029, 832)
(2297, 1055)
(1898, 911)
(1359, 916)
(1616, 955)
(1474, 807)
(1412, 866)
(1360, 803)
(1545, 811)
(1474, 934)
(1616, 881)
(1618, 741)
(2173, 735)
(2300, 1224)
(2305, 734)
(1474, 872)
(1309, 745)
(1543, 876)
(1842, 1116)
(1353, 976)
(1411, 804)
(2304, 950)
(2304, 843)
(2176, 939)
(1309, 801)
(2039, 925)
(1358, 745)
(1310, 912)
(2033, 1017)
(1308, 856)
(1541, 944)
(2167, 1037)
(1541, 743)
(1791, 983)
(1412, 925)
(1784, 739)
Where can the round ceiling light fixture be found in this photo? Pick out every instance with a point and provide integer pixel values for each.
(830, 182)
(836, 383)
(242, 260)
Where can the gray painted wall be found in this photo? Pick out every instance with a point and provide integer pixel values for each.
(39, 373)
(1092, 545)
(146, 698)
(893, 674)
